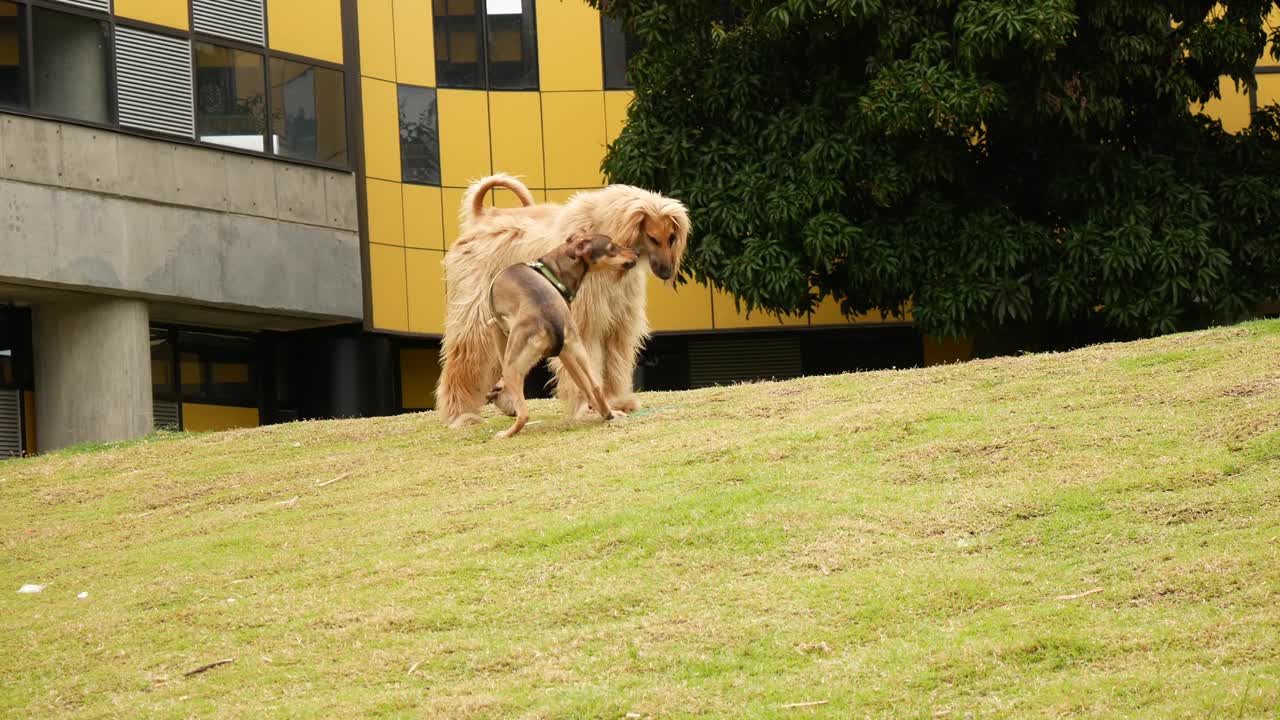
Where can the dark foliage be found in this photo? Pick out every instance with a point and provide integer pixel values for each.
(991, 163)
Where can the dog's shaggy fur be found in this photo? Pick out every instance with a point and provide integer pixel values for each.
(610, 315)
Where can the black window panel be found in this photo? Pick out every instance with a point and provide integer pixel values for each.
(231, 97)
(308, 112)
(164, 373)
(419, 136)
(13, 55)
(618, 47)
(70, 63)
(511, 39)
(459, 43)
(15, 349)
(218, 369)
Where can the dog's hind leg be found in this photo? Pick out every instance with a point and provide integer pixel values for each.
(469, 369)
(525, 348)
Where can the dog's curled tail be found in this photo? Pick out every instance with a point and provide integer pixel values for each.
(473, 201)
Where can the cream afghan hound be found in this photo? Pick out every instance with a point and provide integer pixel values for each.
(609, 313)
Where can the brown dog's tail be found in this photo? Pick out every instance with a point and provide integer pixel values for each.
(473, 201)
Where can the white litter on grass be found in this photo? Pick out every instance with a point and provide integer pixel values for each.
(31, 589)
(83, 595)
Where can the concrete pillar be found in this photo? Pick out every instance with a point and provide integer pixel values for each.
(92, 371)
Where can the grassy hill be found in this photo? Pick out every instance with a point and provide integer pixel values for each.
(1090, 534)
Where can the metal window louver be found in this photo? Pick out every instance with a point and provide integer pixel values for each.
(165, 415)
(99, 5)
(716, 361)
(241, 20)
(10, 423)
(153, 74)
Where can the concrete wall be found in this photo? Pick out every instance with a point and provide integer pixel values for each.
(92, 371)
(102, 211)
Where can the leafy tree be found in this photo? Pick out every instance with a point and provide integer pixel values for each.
(993, 163)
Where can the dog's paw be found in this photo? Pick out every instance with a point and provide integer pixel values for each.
(505, 434)
(628, 404)
(584, 412)
(465, 421)
(617, 415)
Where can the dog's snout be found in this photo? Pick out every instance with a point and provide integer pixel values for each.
(629, 264)
(662, 271)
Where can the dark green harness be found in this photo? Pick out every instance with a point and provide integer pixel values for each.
(545, 272)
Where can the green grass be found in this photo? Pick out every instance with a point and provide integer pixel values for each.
(891, 543)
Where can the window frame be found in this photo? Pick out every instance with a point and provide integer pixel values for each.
(605, 23)
(27, 54)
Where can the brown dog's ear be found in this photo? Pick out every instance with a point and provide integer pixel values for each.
(581, 248)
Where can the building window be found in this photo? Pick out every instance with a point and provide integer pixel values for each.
(308, 112)
(512, 44)
(458, 43)
(618, 47)
(486, 44)
(13, 62)
(70, 66)
(419, 136)
(163, 375)
(217, 369)
(231, 102)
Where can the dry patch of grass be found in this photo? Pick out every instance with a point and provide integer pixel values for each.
(1088, 534)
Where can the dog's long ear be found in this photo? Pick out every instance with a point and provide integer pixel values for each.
(680, 218)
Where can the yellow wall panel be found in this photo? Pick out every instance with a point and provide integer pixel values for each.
(377, 39)
(573, 124)
(828, 313)
(616, 103)
(29, 421)
(1232, 109)
(311, 28)
(170, 13)
(727, 316)
(1268, 89)
(415, 43)
(390, 298)
(687, 307)
(381, 130)
(515, 124)
(426, 291)
(464, 136)
(504, 198)
(450, 201)
(212, 418)
(569, 55)
(419, 371)
(563, 195)
(386, 219)
(423, 219)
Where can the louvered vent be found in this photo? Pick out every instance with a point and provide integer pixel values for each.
(236, 19)
(717, 361)
(165, 414)
(100, 5)
(154, 76)
(10, 423)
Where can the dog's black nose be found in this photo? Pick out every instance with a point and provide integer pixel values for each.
(628, 264)
(662, 271)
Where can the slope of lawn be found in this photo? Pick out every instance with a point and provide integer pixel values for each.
(1089, 534)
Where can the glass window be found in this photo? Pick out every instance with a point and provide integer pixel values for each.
(218, 369)
(13, 63)
(308, 112)
(231, 97)
(70, 63)
(15, 348)
(458, 43)
(618, 47)
(512, 42)
(419, 136)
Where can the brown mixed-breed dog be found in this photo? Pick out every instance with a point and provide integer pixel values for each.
(609, 314)
(531, 320)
